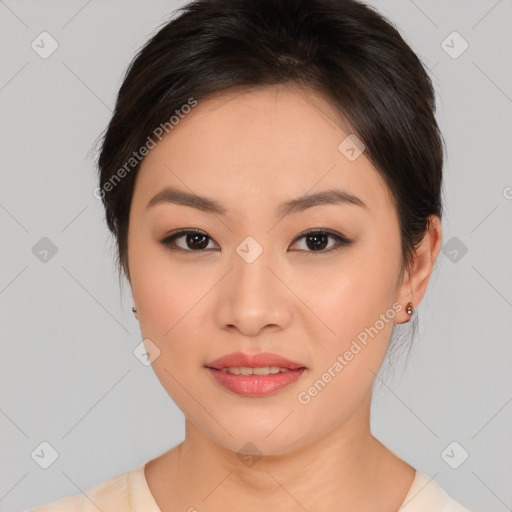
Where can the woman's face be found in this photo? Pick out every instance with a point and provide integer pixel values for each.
(251, 282)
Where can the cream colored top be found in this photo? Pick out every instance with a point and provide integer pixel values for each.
(129, 492)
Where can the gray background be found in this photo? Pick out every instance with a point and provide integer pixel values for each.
(68, 373)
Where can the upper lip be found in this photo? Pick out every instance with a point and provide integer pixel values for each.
(262, 360)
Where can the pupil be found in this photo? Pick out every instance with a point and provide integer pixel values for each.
(193, 240)
(319, 241)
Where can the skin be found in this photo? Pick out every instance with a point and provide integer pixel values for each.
(250, 152)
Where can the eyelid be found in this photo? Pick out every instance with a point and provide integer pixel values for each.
(323, 231)
(341, 240)
(166, 242)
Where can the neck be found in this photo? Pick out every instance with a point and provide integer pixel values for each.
(346, 469)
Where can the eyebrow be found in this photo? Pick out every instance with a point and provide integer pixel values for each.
(205, 204)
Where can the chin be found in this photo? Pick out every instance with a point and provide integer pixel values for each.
(252, 441)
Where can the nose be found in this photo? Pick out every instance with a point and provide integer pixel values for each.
(252, 297)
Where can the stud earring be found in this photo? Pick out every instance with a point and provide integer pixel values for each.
(409, 309)
(134, 310)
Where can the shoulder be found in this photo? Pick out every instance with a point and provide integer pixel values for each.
(111, 495)
(425, 495)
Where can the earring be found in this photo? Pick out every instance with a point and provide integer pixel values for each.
(409, 309)
(134, 310)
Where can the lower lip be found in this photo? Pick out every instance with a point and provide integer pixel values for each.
(256, 385)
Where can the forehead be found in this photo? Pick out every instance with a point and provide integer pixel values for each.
(262, 145)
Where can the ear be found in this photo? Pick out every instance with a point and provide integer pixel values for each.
(415, 281)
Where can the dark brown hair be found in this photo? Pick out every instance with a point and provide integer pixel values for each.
(342, 48)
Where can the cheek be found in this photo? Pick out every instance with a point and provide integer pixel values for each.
(165, 287)
(349, 295)
(169, 298)
(354, 300)
(346, 360)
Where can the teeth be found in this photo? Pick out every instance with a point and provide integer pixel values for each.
(246, 370)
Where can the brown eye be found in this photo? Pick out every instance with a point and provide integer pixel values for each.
(318, 241)
(190, 240)
(196, 241)
(315, 241)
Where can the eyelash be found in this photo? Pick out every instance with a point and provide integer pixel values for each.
(342, 241)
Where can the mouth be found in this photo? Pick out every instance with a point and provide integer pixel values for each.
(260, 361)
(254, 375)
(259, 370)
(255, 384)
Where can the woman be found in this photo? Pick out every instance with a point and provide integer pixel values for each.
(272, 175)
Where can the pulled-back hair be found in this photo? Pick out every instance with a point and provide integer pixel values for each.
(341, 48)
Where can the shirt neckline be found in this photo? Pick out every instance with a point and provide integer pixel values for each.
(142, 500)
